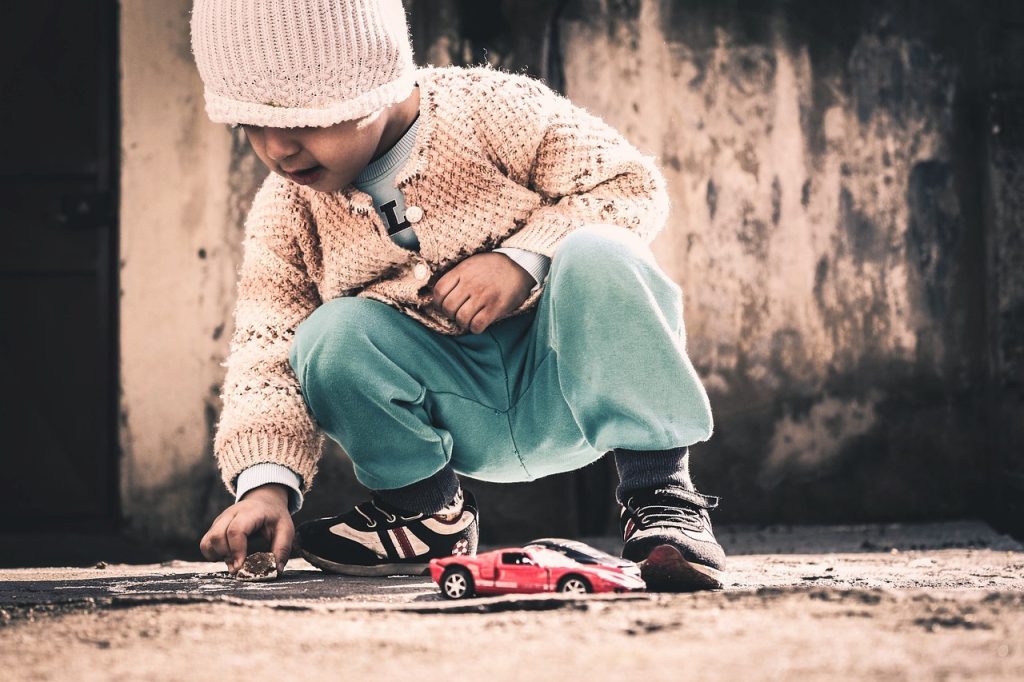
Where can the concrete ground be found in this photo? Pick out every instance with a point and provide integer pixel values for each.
(935, 601)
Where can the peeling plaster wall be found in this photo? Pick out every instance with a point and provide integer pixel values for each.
(179, 242)
(822, 238)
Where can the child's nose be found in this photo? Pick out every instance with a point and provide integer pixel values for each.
(280, 145)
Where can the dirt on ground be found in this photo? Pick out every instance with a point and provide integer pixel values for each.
(941, 601)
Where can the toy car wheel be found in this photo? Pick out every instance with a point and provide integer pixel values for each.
(574, 584)
(456, 583)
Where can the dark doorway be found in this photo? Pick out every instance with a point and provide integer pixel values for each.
(1004, 138)
(58, 283)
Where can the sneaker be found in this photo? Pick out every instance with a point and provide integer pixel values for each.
(668, 532)
(374, 539)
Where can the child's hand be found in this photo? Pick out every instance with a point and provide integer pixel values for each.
(262, 509)
(480, 289)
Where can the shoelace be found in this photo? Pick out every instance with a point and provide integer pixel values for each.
(381, 514)
(683, 516)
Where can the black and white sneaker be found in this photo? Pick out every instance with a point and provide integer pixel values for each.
(668, 532)
(374, 539)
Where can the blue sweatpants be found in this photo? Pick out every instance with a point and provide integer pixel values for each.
(599, 363)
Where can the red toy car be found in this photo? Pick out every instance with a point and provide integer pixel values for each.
(524, 570)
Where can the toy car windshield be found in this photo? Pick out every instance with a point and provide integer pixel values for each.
(541, 556)
(578, 551)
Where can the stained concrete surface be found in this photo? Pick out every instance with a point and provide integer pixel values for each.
(933, 601)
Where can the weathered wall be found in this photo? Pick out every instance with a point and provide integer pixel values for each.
(179, 241)
(826, 234)
(827, 230)
(825, 163)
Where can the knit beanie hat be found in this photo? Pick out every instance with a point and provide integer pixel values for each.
(292, 63)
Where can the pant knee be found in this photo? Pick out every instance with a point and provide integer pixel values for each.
(339, 323)
(597, 248)
(599, 255)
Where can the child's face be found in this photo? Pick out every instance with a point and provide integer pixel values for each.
(332, 156)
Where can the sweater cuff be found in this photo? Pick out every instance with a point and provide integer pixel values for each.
(543, 232)
(270, 472)
(299, 453)
(537, 264)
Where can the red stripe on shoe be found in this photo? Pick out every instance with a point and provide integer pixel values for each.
(630, 529)
(403, 540)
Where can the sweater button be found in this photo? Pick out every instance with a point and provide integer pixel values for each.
(413, 214)
(420, 271)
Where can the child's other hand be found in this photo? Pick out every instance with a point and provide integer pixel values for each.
(263, 509)
(480, 289)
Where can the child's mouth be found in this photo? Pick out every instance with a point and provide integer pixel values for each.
(306, 177)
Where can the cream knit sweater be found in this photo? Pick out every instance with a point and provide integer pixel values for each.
(499, 160)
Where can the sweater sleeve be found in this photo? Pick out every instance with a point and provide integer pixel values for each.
(584, 169)
(534, 263)
(264, 416)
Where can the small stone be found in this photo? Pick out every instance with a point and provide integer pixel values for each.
(257, 567)
(100, 564)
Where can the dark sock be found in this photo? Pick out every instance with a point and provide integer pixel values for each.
(640, 469)
(453, 510)
(427, 496)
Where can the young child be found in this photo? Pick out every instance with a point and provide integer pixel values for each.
(446, 271)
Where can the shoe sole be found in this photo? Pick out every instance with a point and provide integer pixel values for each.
(666, 570)
(376, 571)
